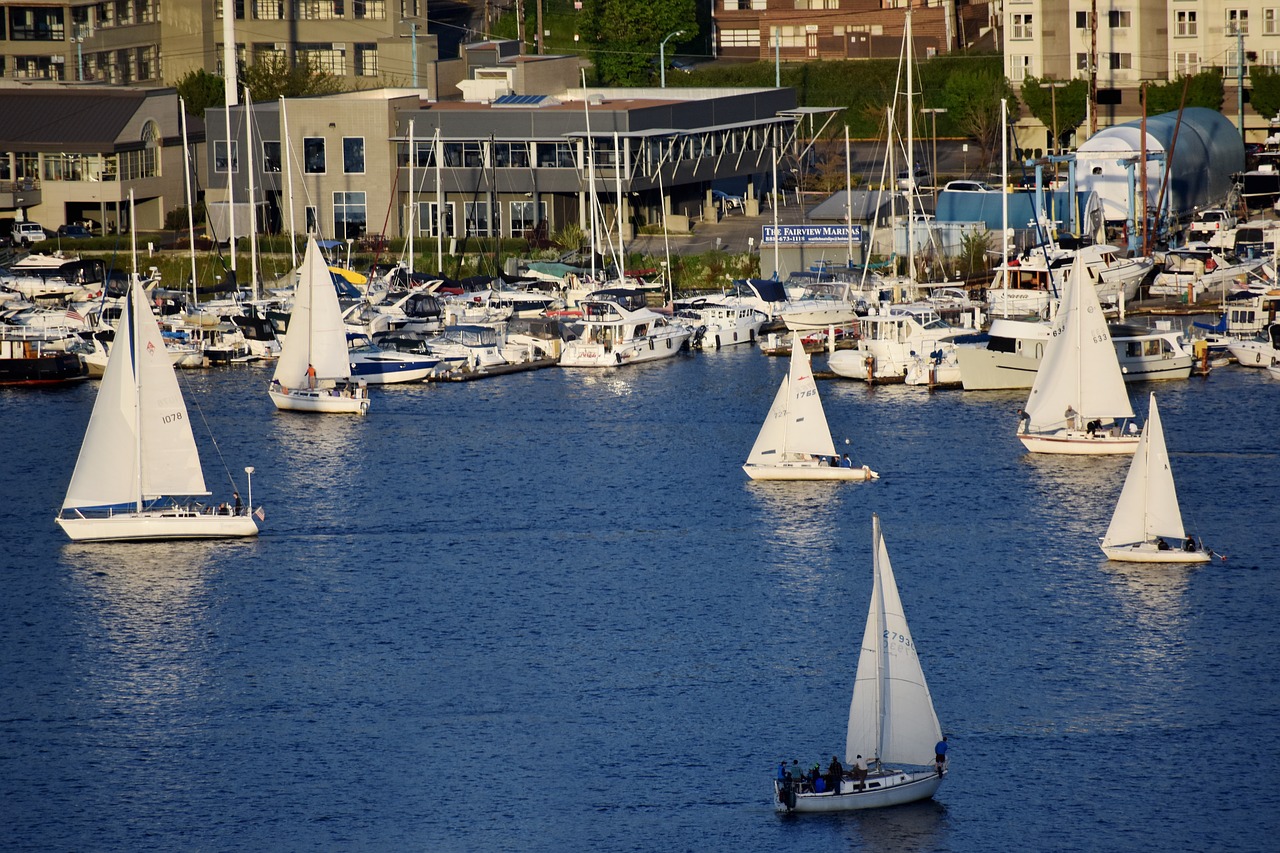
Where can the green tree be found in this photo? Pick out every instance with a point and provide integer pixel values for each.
(1265, 94)
(275, 77)
(973, 103)
(1070, 100)
(1203, 90)
(623, 35)
(200, 90)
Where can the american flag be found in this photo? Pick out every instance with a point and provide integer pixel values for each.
(73, 314)
(259, 514)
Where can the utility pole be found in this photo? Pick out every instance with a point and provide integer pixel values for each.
(1239, 34)
(538, 37)
(1093, 69)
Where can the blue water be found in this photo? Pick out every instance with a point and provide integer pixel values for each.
(549, 611)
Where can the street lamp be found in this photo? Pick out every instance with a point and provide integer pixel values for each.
(933, 111)
(662, 56)
(1053, 86)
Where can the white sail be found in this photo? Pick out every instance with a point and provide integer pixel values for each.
(891, 716)
(317, 336)
(1080, 373)
(773, 434)
(807, 429)
(139, 443)
(1148, 504)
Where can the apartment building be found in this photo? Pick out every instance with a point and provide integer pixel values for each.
(367, 43)
(1141, 40)
(805, 30)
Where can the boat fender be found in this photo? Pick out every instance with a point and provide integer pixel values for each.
(871, 367)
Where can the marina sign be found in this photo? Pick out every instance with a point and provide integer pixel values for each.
(810, 234)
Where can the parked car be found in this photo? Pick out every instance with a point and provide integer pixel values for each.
(74, 232)
(922, 179)
(26, 233)
(728, 202)
(969, 187)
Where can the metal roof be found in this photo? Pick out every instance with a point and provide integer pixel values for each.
(77, 120)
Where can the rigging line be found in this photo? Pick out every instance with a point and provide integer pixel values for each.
(212, 439)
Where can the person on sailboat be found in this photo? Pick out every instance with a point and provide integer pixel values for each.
(835, 771)
(311, 376)
(238, 509)
(940, 755)
(860, 772)
(1190, 544)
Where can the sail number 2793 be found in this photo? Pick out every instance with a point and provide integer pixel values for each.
(893, 638)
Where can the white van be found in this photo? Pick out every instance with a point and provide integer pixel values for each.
(25, 233)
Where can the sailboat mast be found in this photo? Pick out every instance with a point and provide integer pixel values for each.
(230, 94)
(253, 204)
(412, 154)
(911, 154)
(288, 177)
(438, 152)
(132, 314)
(186, 185)
(1004, 200)
(882, 647)
(591, 169)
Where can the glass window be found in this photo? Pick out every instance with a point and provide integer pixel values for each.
(477, 215)
(371, 10)
(1021, 28)
(556, 155)
(312, 217)
(511, 155)
(270, 156)
(1269, 27)
(427, 219)
(1118, 19)
(317, 10)
(220, 158)
(268, 10)
(1019, 66)
(313, 155)
(366, 60)
(349, 219)
(425, 152)
(525, 216)
(1185, 23)
(740, 38)
(353, 155)
(36, 25)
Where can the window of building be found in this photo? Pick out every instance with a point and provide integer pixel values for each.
(38, 67)
(324, 57)
(64, 167)
(268, 10)
(312, 216)
(220, 158)
(1082, 62)
(427, 222)
(467, 154)
(1082, 20)
(1117, 61)
(525, 216)
(1020, 27)
(556, 155)
(788, 37)
(1186, 63)
(318, 10)
(148, 63)
(366, 60)
(424, 154)
(1269, 22)
(369, 10)
(1119, 19)
(477, 218)
(134, 165)
(1271, 58)
(740, 38)
(269, 52)
(353, 155)
(28, 24)
(6, 172)
(511, 155)
(238, 5)
(1019, 66)
(271, 161)
(745, 5)
(1185, 23)
(1237, 22)
(313, 155)
(349, 217)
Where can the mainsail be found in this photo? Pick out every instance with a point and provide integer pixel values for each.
(317, 335)
(1148, 504)
(796, 422)
(891, 716)
(139, 443)
(1079, 378)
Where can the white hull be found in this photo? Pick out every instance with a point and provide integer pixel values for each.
(326, 401)
(928, 373)
(1253, 353)
(817, 319)
(717, 336)
(1079, 443)
(584, 354)
(159, 524)
(1147, 552)
(1274, 370)
(808, 471)
(989, 370)
(883, 790)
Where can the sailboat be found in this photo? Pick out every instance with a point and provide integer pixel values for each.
(1147, 520)
(313, 373)
(795, 442)
(892, 724)
(1078, 402)
(139, 456)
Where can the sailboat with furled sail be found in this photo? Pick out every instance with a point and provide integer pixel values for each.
(893, 727)
(1078, 402)
(139, 466)
(1146, 526)
(313, 373)
(795, 442)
